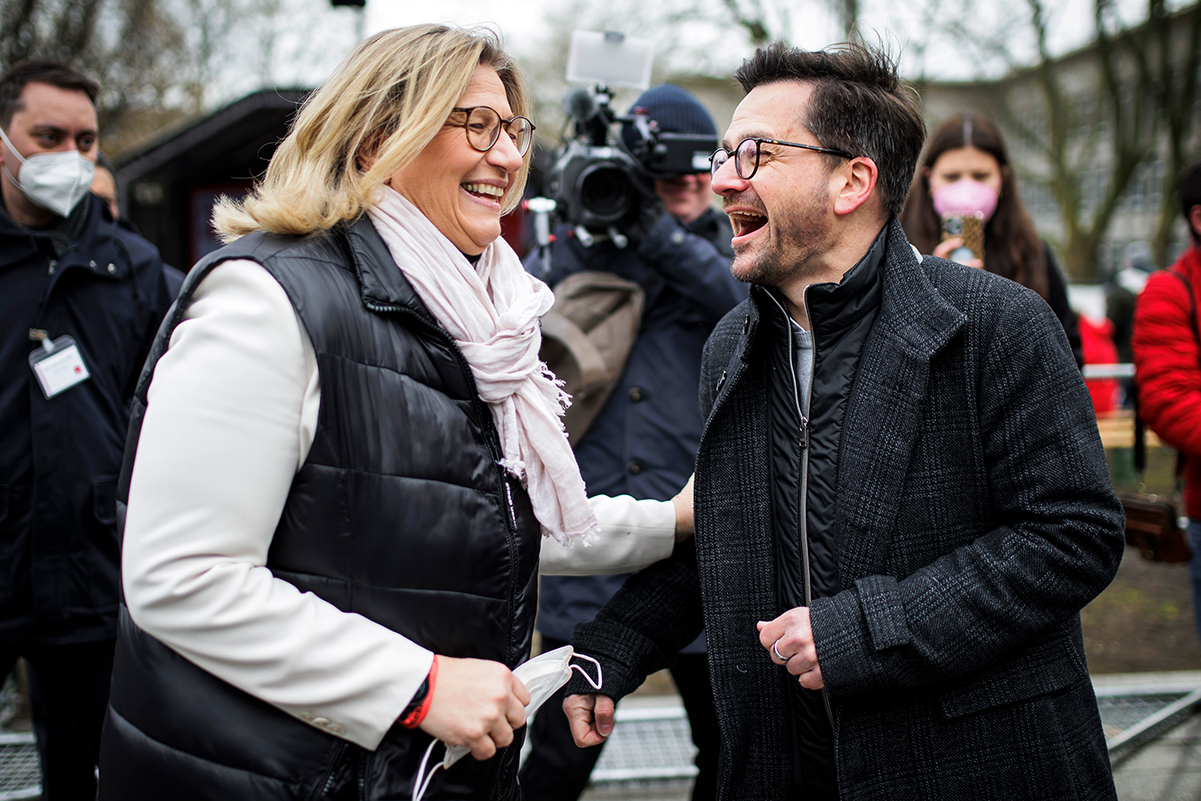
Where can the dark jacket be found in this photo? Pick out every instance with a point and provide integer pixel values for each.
(806, 416)
(89, 279)
(974, 517)
(643, 442)
(1060, 303)
(427, 536)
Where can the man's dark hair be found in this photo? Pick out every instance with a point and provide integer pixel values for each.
(1190, 194)
(859, 105)
(38, 70)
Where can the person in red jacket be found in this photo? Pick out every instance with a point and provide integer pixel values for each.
(1167, 356)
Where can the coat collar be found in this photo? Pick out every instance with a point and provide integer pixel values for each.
(921, 320)
(884, 412)
(913, 315)
(910, 304)
(382, 281)
(885, 409)
(86, 240)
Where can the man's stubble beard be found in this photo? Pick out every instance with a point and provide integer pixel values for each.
(797, 233)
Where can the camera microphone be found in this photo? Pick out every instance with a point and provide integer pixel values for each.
(580, 104)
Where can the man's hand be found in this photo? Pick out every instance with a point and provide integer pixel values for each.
(477, 703)
(590, 717)
(685, 526)
(789, 642)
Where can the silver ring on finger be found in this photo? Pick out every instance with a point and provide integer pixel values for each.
(776, 652)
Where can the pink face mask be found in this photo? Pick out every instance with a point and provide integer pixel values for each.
(966, 196)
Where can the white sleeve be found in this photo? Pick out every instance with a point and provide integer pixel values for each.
(634, 534)
(231, 413)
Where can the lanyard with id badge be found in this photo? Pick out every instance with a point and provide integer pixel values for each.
(59, 365)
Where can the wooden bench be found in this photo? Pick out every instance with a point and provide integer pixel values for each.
(1117, 431)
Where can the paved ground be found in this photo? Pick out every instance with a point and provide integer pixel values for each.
(668, 790)
(1166, 768)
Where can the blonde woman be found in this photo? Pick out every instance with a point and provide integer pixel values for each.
(347, 455)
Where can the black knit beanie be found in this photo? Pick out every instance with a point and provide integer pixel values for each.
(676, 111)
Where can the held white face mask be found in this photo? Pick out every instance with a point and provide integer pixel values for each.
(53, 181)
(541, 676)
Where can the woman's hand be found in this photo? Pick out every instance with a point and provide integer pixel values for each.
(685, 524)
(477, 703)
(944, 249)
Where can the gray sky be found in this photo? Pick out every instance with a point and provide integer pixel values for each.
(313, 38)
(523, 22)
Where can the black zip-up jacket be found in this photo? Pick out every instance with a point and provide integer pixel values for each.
(804, 465)
(87, 278)
(401, 513)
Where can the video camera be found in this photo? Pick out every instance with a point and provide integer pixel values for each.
(595, 182)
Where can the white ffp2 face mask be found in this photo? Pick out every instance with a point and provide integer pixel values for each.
(542, 676)
(546, 673)
(53, 181)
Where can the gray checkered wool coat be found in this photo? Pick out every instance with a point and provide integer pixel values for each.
(974, 518)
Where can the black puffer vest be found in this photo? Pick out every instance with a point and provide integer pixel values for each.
(400, 513)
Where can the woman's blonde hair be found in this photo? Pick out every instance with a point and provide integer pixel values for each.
(376, 114)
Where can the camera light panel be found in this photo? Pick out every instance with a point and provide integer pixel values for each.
(610, 58)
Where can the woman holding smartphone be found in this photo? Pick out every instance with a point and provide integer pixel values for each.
(966, 173)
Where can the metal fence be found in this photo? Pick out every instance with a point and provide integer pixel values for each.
(652, 742)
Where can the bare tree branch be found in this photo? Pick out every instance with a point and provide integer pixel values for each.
(155, 58)
(754, 23)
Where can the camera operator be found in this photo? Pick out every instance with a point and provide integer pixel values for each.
(643, 442)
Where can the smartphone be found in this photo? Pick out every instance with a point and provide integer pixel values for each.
(969, 228)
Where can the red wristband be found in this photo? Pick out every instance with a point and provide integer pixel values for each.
(414, 718)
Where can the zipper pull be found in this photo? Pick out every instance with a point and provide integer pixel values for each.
(804, 433)
(509, 503)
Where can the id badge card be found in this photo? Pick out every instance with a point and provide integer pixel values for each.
(58, 366)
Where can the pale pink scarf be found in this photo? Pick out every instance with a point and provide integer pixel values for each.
(491, 309)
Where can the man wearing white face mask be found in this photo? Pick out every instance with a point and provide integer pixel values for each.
(81, 299)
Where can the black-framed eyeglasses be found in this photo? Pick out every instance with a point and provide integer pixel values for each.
(483, 126)
(746, 155)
